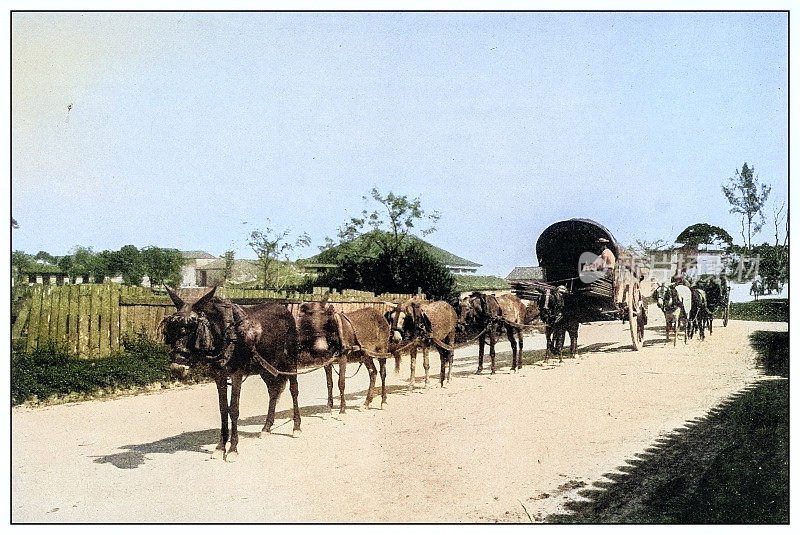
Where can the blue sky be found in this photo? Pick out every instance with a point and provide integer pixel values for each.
(189, 130)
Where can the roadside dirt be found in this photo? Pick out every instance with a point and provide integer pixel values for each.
(512, 447)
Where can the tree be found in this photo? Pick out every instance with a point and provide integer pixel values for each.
(747, 198)
(227, 269)
(694, 235)
(162, 265)
(643, 248)
(376, 253)
(19, 263)
(128, 263)
(395, 217)
(419, 269)
(81, 262)
(270, 247)
(46, 257)
(100, 266)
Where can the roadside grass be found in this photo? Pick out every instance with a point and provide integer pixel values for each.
(761, 310)
(51, 374)
(729, 467)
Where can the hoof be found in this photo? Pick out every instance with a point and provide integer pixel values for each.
(231, 457)
(384, 405)
(492, 373)
(218, 454)
(296, 433)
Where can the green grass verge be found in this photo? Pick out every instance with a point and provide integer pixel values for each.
(52, 375)
(761, 310)
(731, 467)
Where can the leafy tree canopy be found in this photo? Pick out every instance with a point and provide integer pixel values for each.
(703, 233)
(378, 253)
(162, 265)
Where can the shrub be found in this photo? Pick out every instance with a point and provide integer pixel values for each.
(53, 371)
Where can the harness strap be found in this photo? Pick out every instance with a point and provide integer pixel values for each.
(275, 371)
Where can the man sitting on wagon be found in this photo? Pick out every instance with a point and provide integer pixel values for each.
(605, 261)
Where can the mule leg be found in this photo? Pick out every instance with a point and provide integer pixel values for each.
(426, 363)
(342, 371)
(295, 405)
(373, 372)
(481, 342)
(513, 341)
(382, 363)
(548, 336)
(443, 359)
(561, 335)
(451, 354)
(222, 392)
(329, 379)
(274, 387)
(492, 342)
(412, 379)
(233, 410)
(519, 336)
(573, 339)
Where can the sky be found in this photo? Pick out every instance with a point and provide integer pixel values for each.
(190, 130)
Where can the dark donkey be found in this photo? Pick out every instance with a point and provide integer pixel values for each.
(265, 336)
(492, 314)
(357, 335)
(426, 324)
(557, 313)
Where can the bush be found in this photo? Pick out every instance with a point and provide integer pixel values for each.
(402, 271)
(761, 310)
(53, 371)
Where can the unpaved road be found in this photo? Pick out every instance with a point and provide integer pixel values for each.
(473, 452)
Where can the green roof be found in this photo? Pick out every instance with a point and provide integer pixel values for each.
(468, 283)
(196, 254)
(445, 257)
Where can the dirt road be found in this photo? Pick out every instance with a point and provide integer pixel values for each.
(487, 448)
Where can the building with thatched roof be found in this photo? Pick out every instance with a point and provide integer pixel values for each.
(329, 258)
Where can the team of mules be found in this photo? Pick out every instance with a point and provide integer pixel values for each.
(269, 342)
(685, 309)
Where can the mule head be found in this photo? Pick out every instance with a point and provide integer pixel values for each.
(403, 321)
(319, 329)
(661, 294)
(551, 306)
(465, 314)
(194, 332)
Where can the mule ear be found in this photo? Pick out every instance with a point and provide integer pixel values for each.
(201, 303)
(304, 308)
(174, 296)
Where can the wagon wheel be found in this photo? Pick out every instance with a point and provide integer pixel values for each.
(636, 315)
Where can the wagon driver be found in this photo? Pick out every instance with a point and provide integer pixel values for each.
(606, 260)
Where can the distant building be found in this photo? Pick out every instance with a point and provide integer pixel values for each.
(702, 260)
(328, 259)
(193, 272)
(525, 273)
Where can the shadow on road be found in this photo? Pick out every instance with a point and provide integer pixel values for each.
(730, 466)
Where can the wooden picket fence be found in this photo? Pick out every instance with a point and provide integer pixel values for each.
(91, 320)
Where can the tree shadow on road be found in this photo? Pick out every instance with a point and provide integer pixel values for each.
(730, 466)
